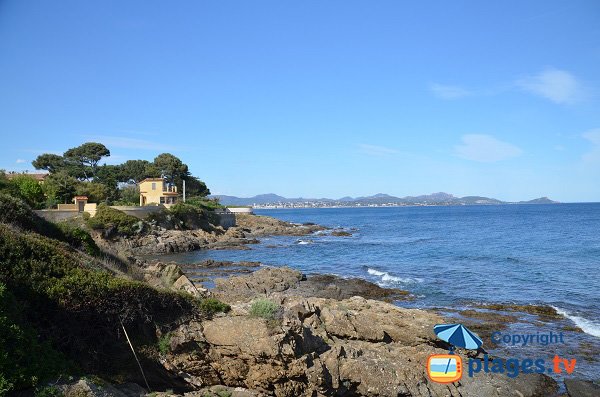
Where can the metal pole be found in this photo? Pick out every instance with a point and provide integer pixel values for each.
(184, 190)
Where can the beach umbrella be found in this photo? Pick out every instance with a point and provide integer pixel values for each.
(458, 335)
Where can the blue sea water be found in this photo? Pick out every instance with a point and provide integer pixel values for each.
(453, 256)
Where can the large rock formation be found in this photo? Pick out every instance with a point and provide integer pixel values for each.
(323, 347)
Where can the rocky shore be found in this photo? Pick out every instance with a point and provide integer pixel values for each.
(289, 334)
(321, 341)
(160, 240)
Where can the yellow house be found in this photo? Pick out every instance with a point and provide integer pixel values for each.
(157, 191)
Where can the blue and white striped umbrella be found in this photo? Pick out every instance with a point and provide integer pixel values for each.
(458, 335)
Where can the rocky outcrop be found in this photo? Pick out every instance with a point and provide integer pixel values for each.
(170, 276)
(264, 225)
(158, 240)
(290, 282)
(582, 388)
(350, 347)
(323, 347)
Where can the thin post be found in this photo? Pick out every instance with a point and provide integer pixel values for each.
(184, 190)
(135, 356)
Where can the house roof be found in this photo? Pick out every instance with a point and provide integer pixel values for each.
(152, 180)
(37, 176)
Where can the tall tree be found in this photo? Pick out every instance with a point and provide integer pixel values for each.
(194, 187)
(171, 168)
(135, 171)
(49, 162)
(87, 156)
(60, 186)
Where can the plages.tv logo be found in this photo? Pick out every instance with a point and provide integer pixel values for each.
(448, 368)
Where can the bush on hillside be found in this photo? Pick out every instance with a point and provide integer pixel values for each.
(204, 203)
(78, 238)
(109, 219)
(212, 306)
(30, 190)
(25, 362)
(14, 211)
(182, 216)
(77, 306)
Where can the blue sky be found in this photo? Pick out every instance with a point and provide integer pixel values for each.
(315, 98)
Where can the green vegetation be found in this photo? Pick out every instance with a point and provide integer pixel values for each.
(78, 238)
(30, 190)
(48, 391)
(212, 306)
(164, 343)
(205, 203)
(62, 304)
(77, 306)
(113, 221)
(24, 361)
(265, 308)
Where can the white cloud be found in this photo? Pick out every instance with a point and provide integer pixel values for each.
(449, 91)
(559, 86)
(20, 161)
(373, 150)
(593, 156)
(485, 148)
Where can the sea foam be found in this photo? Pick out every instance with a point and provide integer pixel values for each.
(588, 326)
(388, 278)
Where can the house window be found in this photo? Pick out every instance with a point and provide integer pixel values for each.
(162, 200)
(153, 185)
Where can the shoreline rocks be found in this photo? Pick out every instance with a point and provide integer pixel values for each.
(161, 241)
(323, 346)
(289, 282)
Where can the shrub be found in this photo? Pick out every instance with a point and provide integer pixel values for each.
(29, 190)
(108, 218)
(24, 361)
(265, 308)
(78, 308)
(16, 212)
(204, 203)
(164, 343)
(79, 238)
(190, 217)
(211, 306)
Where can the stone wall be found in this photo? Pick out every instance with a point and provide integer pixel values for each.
(226, 220)
(139, 212)
(57, 215)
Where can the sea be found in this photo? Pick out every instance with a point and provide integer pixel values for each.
(459, 257)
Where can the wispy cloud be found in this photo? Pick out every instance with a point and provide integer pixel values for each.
(558, 86)
(379, 151)
(20, 161)
(593, 156)
(132, 143)
(485, 148)
(449, 91)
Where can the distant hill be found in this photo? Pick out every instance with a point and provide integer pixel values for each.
(378, 199)
(541, 200)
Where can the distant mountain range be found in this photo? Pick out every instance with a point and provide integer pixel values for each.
(379, 199)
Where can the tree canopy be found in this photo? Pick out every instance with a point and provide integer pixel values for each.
(79, 171)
